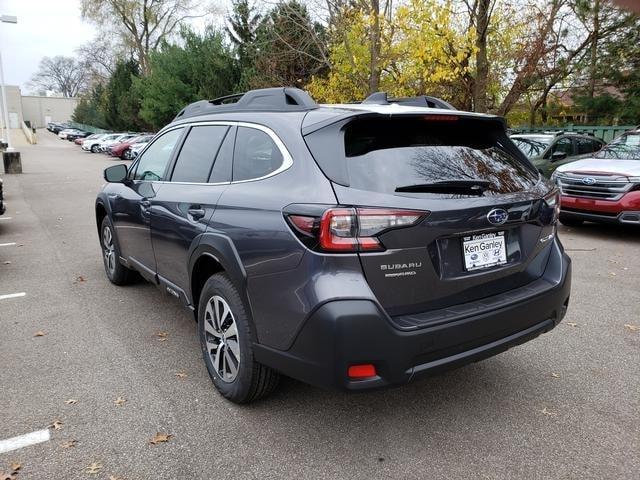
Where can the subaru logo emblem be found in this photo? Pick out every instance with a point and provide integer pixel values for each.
(497, 216)
(588, 180)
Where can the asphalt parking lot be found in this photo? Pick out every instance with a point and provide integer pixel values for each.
(565, 405)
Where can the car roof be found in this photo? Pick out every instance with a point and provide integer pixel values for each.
(298, 105)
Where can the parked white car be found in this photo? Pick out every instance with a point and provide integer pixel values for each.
(91, 144)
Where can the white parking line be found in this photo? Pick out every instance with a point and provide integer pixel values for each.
(7, 244)
(12, 295)
(6, 218)
(25, 440)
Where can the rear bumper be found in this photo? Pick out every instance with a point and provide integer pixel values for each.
(346, 332)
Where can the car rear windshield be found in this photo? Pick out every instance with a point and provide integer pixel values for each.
(384, 154)
(625, 147)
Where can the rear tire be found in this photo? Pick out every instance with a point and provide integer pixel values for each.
(94, 148)
(117, 273)
(225, 334)
(569, 221)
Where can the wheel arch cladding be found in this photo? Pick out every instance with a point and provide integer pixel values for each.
(214, 254)
(101, 212)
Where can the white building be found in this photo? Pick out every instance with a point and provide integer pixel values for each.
(36, 110)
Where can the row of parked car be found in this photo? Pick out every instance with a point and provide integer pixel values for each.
(598, 182)
(124, 145)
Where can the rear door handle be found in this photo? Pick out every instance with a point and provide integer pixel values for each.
(196, 212)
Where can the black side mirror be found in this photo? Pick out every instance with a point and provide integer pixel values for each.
(116, 174)
(555, 156)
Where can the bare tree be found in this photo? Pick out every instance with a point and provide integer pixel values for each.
(142, 24)
(100, 57)
(60, 74)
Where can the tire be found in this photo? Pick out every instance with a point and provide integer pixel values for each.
(117, 273)
(126, 155)
(228, 351)
(94, 148)
(569, 221)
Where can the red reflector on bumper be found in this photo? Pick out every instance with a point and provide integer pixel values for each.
(362, 371)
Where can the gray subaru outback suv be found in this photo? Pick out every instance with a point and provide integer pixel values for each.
(354, 246)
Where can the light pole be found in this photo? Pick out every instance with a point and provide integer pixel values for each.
(5, 108)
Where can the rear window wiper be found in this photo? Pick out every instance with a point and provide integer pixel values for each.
(460, 187)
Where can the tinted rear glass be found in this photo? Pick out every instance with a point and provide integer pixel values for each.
(384, 154)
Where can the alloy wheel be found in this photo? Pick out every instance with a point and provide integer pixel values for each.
(221, 338)
(108, 249)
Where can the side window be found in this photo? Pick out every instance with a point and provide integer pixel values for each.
(196, 156)
(597, 145)
(154, 160)
(563, 145)
(255, 155)
(221, 171)
(587, 145)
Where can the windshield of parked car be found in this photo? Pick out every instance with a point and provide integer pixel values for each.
(625, 147)
(532, 146)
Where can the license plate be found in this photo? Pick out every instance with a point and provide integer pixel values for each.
(484, 251)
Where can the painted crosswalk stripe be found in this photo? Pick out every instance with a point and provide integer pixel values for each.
(6, 218)
(25, 440)
(12, 295)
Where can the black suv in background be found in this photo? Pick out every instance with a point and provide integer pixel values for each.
(355, 246)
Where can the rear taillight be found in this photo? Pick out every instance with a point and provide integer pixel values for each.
(351, 229)
(552, 202)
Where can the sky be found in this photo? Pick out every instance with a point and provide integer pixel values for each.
(44, 28)
(47, 28)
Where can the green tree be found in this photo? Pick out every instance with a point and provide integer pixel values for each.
(242, 25)
(200, 66)
(122, 103)
(90, 108)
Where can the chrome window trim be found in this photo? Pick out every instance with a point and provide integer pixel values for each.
(287, 159)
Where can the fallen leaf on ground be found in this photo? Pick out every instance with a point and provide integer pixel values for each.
(555, 375)
(160, 438)
(71, 401)
(120, 401)
(69, 444)
(162, 336)
(79, 279)
(113, 477)
(39, 333)
(7, 262)
(94, 468)
(613, 274)
(572, 324)
(181, 374)
(633, 328)
(548, 412)
(6, 476)
(56, 425)
(15, 466)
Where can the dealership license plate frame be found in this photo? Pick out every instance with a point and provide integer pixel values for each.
(487, 255)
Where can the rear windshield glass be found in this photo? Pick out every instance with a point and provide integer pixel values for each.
(625, 147)
(385, 154)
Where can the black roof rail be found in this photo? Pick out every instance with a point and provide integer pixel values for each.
(280, 99)
(381, 98)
